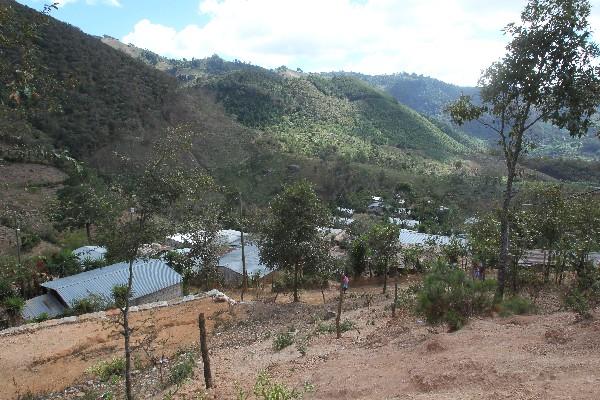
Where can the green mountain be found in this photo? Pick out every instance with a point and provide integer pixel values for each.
(254, 128)
(430, 96)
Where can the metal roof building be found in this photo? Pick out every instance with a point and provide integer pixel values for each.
(233, 260)
(149, 276)
(408, 237)
(44, 304)
(90, 253)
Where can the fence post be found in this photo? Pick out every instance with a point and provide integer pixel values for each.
(395, 299)
(204, 350)
(338, 328)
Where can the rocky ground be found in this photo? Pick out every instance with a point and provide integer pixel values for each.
(547, 356)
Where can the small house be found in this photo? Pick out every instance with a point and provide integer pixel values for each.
(153, 280)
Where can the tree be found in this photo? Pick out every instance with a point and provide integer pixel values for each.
(81, 204)
(150, 190)
(547, 74)
(202, 231)
(384, 245)
(289, 239)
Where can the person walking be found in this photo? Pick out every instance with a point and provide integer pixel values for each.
(345, 282)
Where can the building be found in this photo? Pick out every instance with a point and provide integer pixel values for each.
(230, 264)
(153, 280)
(408, 223)
(90, 253)
(414, 238)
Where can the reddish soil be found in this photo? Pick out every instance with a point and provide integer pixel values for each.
(56, 357)
(550, 356)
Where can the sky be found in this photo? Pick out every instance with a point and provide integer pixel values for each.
(451, 40)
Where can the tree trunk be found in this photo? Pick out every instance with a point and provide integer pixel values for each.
(296, 298)
(88, 232)
(385, 274)
(127, 336)
(338, 328)
(505, 234)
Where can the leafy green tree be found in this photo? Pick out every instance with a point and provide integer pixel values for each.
(548, 74)
(150, 190)
(384, 245)
(289, 239)
(81, 204)
(358, 256)
(202, 230)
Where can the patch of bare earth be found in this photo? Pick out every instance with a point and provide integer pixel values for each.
(526, 357)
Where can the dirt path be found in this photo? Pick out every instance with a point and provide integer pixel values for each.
(53, 358)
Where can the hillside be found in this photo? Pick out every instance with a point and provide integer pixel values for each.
(430, 96)
(250, 123)
(546, 356)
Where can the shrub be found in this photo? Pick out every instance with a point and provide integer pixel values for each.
(283, 340)
(13, 306)
(41, 318)
(105, 370)
(516, 305)
(6, 289)
(345, 326)
(577, 301)
(90, 304)
(183, 369)
(266, 389)
(449, 296)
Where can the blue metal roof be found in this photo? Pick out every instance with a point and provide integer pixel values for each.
(149, 276)
(412, 238)
(233, 260)
(45, 303)
(91, 253)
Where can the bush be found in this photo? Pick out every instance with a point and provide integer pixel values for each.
(6, 289)
(90, 304)
(516, 305)
(449, 296)
(183, 369)
(266, 389)
(345, 326)
(577, 301)
(13, 306)
(105, 370)
(283, 340)
(41, 318)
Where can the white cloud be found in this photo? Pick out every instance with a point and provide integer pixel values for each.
(452, 40)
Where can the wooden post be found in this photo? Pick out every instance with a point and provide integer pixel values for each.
(204, 350)
(395, 299)
(338, 329)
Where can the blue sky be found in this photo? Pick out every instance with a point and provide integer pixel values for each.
(452, 40)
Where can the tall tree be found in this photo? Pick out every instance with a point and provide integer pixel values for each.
(149, 190)
(289, 238)
(384, 248)
(548, 74)
(81, 204)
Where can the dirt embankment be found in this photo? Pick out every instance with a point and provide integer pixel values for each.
(51, 359)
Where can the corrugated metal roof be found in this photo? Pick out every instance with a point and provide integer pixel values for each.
(91, 253)
(411, 223)
(45, 303)
(412, 237)
(149, 276)
(226, 236)
(233, 260)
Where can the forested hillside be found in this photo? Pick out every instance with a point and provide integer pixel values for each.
(254, 128)
(430, 96)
